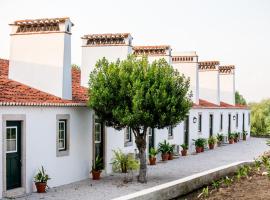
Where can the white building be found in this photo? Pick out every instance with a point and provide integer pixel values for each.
(44, 119)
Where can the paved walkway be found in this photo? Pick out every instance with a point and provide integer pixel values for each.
(112, 186)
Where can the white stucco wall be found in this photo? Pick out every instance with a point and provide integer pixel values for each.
(91, 54)
(227, 88)
(41, 144)
(37, 58)
(209, 86)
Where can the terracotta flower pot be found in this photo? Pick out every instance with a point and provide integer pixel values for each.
(202, 149)
(211, 146)
(170, 156)
(184, 152)
(96, 175)
(165, 156)
(41, 187)
(231, 141)
(235, 140)
(152, 160)
(198, 149)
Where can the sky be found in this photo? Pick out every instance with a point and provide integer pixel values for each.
(232, 31)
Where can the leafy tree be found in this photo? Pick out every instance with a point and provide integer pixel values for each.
(260, 117)
(239, 99)
(134, 93)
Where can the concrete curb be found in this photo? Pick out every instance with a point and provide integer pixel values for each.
(185, 185)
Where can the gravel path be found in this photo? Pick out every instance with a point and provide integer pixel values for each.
(112, 186)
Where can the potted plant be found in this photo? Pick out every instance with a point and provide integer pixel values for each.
(199, 144)
(219, 139)
(204, 141)
(236, 137)
(123, 162)
(245, 135)
(184, 149)
(152, 155)
(97, 167)
(231, 138)
(164, 148)
(170, 152)
(41, 179)
(211, 142)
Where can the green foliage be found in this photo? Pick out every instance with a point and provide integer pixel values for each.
(184, 146)
(260, 117)
(153, 152)
(239, 99)
(171, 148)
(257, 164)
(231, 136)
(212, 140)
(236, 135)
(41, 176)
(268, 142)
(164, 147)
(204, 193)
(123, 162)
(242, 172)
(265, 161)
(138, 94)
(200, 142)
(98, 164)
(227, 181)
(220, 137)
(216, 184)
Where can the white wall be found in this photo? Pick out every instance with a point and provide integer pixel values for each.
(209, 86)
(227, 88)
(42, 61)
(41, 144)
(91, 54)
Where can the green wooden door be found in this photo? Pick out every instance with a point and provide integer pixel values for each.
(13, 154)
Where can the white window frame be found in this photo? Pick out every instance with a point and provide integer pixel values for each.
(64, 121)
(16, 139)
(100, 130)
(63, 151)
(170, 132)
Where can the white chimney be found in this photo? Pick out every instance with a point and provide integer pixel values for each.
(154, 52)
(96, 46)
(187, 64)
(227, 84)
(209, 81)
(40, 55)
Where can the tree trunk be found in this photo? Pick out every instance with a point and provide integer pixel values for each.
(141, 145)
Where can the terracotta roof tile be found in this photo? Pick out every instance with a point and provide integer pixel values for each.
(203, 104)
(15, 93)
(151, 50)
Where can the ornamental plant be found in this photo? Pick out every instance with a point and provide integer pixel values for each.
(212, 140)
(41, 176)
(138, 94)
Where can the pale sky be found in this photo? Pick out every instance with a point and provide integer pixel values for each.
(231, 31)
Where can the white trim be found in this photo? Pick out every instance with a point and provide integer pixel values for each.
(16, 139)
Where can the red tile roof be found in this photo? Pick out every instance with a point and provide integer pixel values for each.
(15, 93)
(151, 50)
(203, 104)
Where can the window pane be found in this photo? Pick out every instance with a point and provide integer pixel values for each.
(61, 144)
(11, 145)
(8, 133)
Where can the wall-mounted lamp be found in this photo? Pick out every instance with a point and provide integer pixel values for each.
(194, 120)
(234, 117)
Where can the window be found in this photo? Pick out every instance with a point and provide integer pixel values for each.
(221, 122)
(200, 123)
(170, 132)
(237, 120)
(128, 136)
(97, 132)
(11, 139)
(62, 135)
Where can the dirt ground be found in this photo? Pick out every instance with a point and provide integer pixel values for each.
(255, 187)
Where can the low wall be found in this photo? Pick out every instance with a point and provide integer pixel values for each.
(185, 185)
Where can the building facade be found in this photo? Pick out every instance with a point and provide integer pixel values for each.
(44, 119)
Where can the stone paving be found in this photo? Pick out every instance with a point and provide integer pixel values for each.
(112, 186)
